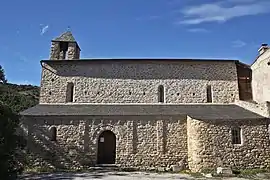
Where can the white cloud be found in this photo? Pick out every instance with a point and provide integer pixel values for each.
(44, 29)
(23, 82)
(198, 30)
(223, 11)
(238, 44)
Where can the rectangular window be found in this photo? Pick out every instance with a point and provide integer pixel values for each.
(69, 93)
(236, 135)
(161, 94)
(53, 133)
(209, 94)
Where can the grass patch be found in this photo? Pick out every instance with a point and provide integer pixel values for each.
(253, 171)
(193, 174)
(39, 170)
(208, 171)
(46, 169)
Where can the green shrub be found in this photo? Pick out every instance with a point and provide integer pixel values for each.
(10, 143)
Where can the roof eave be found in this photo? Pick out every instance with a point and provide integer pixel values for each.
(140, 59)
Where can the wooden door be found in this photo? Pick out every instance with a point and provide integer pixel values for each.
(106, 148)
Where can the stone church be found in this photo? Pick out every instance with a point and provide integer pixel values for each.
(150, 113)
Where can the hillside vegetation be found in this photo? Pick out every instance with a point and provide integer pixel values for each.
(19, 97)
(13, 99)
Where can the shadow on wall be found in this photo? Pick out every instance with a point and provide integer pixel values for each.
(244, 74)
(71, 153)
(191, 70)
(43, 153)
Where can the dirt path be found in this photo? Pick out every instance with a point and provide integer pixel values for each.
(97, 175)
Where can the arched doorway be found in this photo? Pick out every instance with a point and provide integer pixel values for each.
(106, 148)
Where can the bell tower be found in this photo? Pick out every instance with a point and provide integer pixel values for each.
(65, 47)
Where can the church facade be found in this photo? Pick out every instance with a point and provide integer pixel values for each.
(150, 113)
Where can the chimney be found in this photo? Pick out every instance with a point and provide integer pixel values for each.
(263, 48)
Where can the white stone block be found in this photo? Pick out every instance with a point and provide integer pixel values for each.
(161, 169)
(175, 168)
(209, 175)
(223, 170)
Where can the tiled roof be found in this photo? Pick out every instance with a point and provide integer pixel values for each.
(197, 111)
(66, 36)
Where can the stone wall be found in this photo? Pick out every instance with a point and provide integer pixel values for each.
(194, 144)
(210, 144)
(145, 141)
(73, 51)
(150, 142)
(55, 51)
(261, 78)
(132, 82)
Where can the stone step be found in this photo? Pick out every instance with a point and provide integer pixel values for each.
(110, 167)
(105, 167)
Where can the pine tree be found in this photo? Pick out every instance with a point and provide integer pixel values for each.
(2, 76)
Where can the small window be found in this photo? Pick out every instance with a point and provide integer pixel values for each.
(209, 94)
(236, 135)
(53, 134)
(161, 94)
(69, 93)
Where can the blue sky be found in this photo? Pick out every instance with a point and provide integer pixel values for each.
(227, 29)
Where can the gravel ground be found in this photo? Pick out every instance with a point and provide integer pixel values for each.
(98, 175)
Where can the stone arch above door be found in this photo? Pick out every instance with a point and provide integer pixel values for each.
(101, 129)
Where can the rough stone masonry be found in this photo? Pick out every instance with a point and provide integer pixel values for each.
(148, 113)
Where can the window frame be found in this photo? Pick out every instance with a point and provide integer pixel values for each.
(53, 131)
(70, 92)
(236, 133)
(161, 94)
(209, 94)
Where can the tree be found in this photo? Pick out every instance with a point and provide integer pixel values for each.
(10, 143)
(2, 76)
